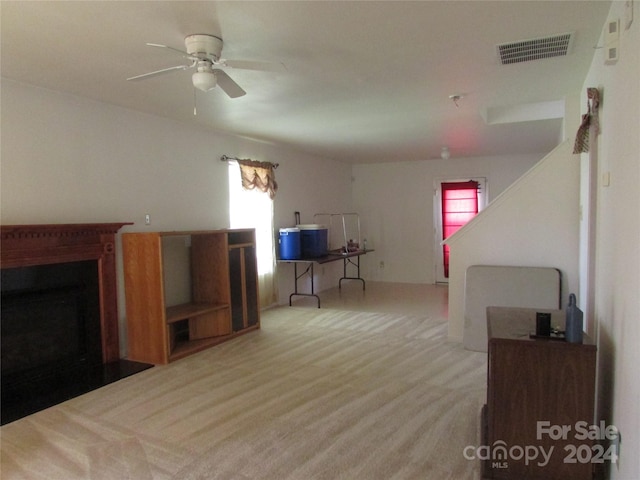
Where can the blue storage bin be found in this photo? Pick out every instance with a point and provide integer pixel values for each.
(290, 245)
(314, 240)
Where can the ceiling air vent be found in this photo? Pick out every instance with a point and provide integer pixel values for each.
(535, 48)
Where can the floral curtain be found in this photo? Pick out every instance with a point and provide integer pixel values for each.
(589, 119)
(258, 175)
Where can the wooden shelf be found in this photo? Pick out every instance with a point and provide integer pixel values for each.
(185, 311)
(185, 348)
(211, 280)
(240, 245)
(242, 236)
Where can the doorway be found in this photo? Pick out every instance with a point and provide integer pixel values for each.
(456, 202)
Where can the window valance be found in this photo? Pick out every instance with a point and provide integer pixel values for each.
(257, 175)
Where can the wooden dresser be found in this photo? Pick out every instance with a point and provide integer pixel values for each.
(214, 273)
(538, 390)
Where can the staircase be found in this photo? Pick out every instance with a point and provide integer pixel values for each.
(535, 222)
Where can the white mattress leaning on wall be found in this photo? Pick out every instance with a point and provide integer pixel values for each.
(505, 286)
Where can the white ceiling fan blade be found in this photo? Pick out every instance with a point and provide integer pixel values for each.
(160, 72)
(253, 65)
(180, 52)
(226, 83)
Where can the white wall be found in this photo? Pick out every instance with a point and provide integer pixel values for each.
(617, 261)
(67, 159)
(71, 160)
(396, 205)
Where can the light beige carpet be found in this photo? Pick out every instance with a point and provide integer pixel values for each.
(315, 394)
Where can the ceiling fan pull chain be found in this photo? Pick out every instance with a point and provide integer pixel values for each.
(195, 110)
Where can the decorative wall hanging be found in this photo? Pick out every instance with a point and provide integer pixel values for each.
(589, 119)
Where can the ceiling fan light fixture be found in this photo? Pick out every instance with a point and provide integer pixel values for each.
(204, 81)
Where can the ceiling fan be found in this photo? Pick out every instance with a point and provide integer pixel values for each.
(204, 52)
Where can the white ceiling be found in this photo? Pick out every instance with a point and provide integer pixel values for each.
(364, 81)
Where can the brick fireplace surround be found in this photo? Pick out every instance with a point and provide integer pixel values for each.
(34, 245)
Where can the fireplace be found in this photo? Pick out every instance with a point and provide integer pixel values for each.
(59, 328)
(50, 319)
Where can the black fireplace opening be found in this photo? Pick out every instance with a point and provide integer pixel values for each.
(50, 331)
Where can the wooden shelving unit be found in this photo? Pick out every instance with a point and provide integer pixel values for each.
(223, 291)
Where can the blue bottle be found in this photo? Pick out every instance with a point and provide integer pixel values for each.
(573, 325)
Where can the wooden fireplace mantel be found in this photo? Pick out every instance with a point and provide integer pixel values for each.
(31, 245)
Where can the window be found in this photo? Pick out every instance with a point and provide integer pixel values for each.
(457, 202)
(459, 205)
(254, 209)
